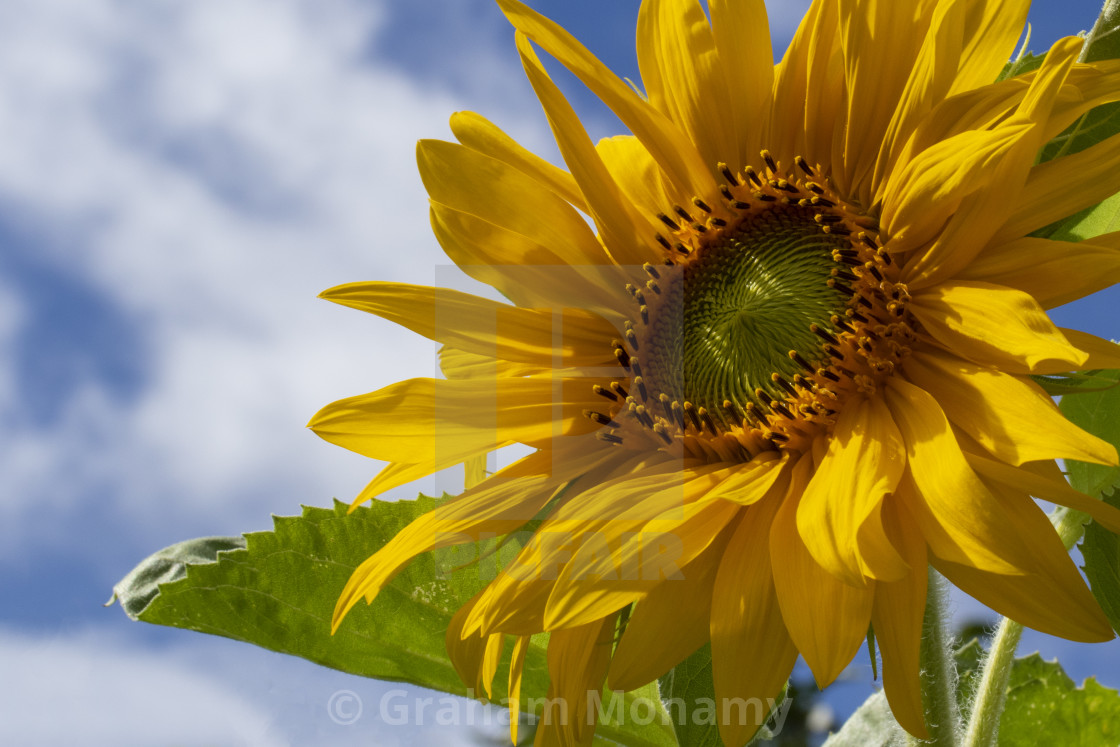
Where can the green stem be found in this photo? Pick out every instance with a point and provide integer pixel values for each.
(939, 673)
(991, 692)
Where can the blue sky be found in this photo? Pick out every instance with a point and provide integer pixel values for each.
(178, 180)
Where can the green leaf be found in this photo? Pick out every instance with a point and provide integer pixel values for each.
(1101, 551)
(687, 688)
(1099, 414)
(1044, 706)
(1075, 382)
(278, 590)
(1027, 63)
(872, 725)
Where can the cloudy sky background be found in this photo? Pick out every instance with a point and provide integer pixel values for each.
(178, 180)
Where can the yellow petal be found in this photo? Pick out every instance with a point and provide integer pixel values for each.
(394, 475)
(994, 325)
(880, 39)
(682, 76)
(972, 225)
(499, 506)
(1102, 353)
(668, 624)
(577, 666)
(863, 464)
(1053, 272)
(448, 421)
(957, 514)
(1051, 596)
(616, 560)
(1055, 490)
(516, 667)
(807, 594)
(473, 183)
(1030, 599)
(475, 657)
(967, 46)
(668, 145)
(1010, 416)
(528, 272)
(921, 197)
(478, 133)
(742, 34)
(752, 652)
(809, 97)
(637, 174)
(896, 617)
(1048, 195)
(559, 337)
(627, 234)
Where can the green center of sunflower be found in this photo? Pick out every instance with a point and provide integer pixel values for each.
(733, 316)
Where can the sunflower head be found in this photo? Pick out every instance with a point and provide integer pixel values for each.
(797, 341)
(767, 310)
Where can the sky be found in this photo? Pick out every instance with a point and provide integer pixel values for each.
(178, 181)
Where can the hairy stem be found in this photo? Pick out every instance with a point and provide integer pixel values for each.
(939, 672)
(991, 692)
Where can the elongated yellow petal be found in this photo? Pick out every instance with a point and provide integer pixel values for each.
(1102, 353)
(616, 559)
(807, 594)
(499, 506)
(1047, 196)
(668, 145)
(1051, 596)
(396, 474)
(600, 579)
(577, 666)
(449, 421)
(752, 652)
(475, 657)
(682, 74)
(967, 46)
(742, 35)
(668, 624)
(1010, 416)
(920, 198)
(543, 337)
(473, 183)
(881, 40)
(754, 480)
(637, 174)
(863, 464)
(1053, 272)
(1055, 490)
(612, 502)
(516, 668)
(957, 514)
(994, 325)
(896, 617)
(992, 29)
(526, 271)
(972, 226)
(479, 133)
(627, 235)
(808, 95)
(1030, 599)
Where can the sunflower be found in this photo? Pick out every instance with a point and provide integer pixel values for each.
(787, 371)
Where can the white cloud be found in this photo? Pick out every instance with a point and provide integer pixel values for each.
(103, 690)
(211, 167)
(60, 689)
